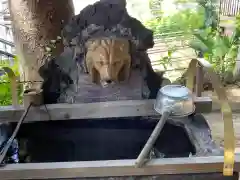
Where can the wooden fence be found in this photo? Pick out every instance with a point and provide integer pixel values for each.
(229, 7)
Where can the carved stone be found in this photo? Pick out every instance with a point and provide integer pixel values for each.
(94, 23)
(108, 60)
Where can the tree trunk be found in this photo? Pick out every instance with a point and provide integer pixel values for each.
(35, 23)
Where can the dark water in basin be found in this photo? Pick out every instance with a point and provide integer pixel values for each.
(108, 139)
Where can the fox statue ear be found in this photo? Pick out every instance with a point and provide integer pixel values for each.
(124, 72)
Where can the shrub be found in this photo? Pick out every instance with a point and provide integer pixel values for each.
(5, 88)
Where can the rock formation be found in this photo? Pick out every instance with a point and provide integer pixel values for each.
(63, 75)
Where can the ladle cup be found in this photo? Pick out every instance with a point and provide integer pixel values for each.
(172, 101)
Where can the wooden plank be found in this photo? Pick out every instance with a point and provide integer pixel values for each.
(235, 106)
(233, 95)
(92, 110)
(114, 168)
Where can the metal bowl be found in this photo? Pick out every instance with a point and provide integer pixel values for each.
(174, 98)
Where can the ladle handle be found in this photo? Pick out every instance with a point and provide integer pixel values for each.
(4, 151)
(152, 139)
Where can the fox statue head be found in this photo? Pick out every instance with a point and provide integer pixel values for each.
(108, 60)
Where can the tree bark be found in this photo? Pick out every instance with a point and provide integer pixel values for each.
(35, 23)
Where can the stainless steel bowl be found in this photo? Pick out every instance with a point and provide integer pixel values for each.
(174, 98)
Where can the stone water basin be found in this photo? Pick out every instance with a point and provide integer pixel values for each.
(122, 138)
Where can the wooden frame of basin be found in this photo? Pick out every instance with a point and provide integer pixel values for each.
(92, 110)
(105, 168)
(67, 170)
(115, 168)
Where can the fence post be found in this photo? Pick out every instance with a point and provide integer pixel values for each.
(199, 80)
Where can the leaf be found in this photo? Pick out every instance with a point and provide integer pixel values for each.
(198, 46)
(205, 41)
(171, 51)
(4, 89)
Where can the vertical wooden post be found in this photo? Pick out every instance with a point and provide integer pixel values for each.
(199, 80)
(35, 23)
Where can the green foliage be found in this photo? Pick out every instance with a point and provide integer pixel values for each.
(238, 24)
(205, 15)
(185, 20)
(218, 49)
(202, 24)
(5, 89)
(211, 15)
(167, 60)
